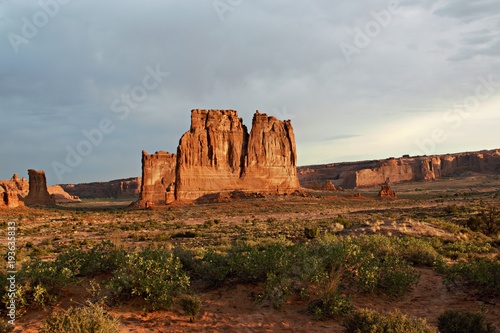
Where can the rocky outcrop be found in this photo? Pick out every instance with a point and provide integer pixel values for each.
(118, 189)
(218, 155)
(38, 194)
(271, 162)
(386, 192)
(419, 168)
(158, 176)
(60, 195)
(329, 186)
(9, 198)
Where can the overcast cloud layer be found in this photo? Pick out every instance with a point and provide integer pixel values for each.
(359, 79)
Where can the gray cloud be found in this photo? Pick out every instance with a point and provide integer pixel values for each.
(271, 56)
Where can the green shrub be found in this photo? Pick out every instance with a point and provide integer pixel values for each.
(331, 305)
(212, 269)
(191, 306)
(90, 318)
(5, 327)
(102, 258)
(487, 221)
(39, 283)
(152, 274)
(483, 274)
(370, 321)
(453, 321)
(311, 232)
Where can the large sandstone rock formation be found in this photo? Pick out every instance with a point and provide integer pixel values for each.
(38, 194)
(158, 174)
(218, 155)
(419, 168)
(119, 188)
(12, 192)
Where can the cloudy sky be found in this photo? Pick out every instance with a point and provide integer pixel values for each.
(86, 85)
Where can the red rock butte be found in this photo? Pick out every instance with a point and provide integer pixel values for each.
(218, 155)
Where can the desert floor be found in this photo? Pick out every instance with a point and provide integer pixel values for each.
(423, 210)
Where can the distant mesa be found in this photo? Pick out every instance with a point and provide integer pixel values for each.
(417, 168)
(218, 155)
(128, 188)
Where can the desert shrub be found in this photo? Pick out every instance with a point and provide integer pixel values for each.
(102, 258)
(186, 234)
(464, 248)
(487, 221)
(39, 283)
(311, 232)
(191, 306)
(454, 321)
(213, 268)
(332, 304)
(418, 251)
(370, 321)
(483, 274)
(374, 266)
(152, 274)
(90, 318)
(5, 327)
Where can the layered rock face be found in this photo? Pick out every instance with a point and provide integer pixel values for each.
(158, 173)
(38, 194)
(119, 188)
(271, 161)
(419, 168)
(218, 155)
(13, 191)
(9, 198)
(211, 155)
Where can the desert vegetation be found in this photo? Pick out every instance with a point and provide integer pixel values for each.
(320, 262)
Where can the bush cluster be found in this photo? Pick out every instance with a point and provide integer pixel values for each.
(454, 321)
(370, 321)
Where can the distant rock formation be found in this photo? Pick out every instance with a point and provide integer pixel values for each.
(118, 189)
(329, 186)
(419, 168)
(217, 155)
(38, 194)
(13, 191)
(60, 195)
(386, 191)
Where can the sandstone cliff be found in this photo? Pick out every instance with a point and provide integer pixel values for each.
(272, 156)
(158, 173)
(211, 155)
(38, 194)
(119, 188)
(419, 168)
(12, 191)
(218, 155)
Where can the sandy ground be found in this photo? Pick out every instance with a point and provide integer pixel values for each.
(231, 309)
